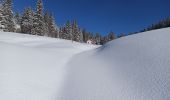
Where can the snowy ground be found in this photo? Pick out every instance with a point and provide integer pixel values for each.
(33, 68)
(136, 67)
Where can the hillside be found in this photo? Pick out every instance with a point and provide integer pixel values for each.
(34, 67)
(135, 67)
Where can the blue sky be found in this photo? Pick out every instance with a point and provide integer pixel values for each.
(103, 16)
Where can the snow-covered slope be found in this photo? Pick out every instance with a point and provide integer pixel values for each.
(32, 67)
(136, 67)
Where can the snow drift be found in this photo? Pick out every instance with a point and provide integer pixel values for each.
(136, 67)
(33, 67)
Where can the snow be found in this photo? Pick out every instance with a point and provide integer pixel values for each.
(135, 67)
(32, 67)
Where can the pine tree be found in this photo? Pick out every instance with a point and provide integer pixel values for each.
(98, 38)
(80, 36)
(85, 35)
(2, 26)
(46, 20)
(104, 40)
(27, 21)
(7, 20)
(111, 36)
(61, 32)
(66, 31)
(75, 31)
(69, 33)
(38, 22)
(52, 27)
(57, 32)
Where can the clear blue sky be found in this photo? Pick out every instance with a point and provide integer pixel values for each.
(119, 16)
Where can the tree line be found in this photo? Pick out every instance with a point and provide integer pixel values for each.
(161, 24)
(43, 23)
(38, 22)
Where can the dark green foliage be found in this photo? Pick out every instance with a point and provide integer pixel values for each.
(38, 22)
(27, 21)
(7, 16)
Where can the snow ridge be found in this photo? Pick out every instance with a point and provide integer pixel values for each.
(131, 68)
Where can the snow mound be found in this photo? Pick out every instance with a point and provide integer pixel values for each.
(135, 67)
(34, 67)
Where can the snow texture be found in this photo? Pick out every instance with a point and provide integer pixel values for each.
(33, 67)
(135, 67)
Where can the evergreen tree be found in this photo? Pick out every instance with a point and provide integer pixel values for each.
(38, 22)
(52, 27)
(63, 33)
(98, 38)
(46, 20)
(2, 26)
(111, 36)
(81, 36)
(7, 16)
(85, 35)
(76, 31)
(69, 33)
(27, 21)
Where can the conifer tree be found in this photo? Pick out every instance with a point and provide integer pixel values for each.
(46, 21)
(61, 32)
(76, 33)
(38, 22)
(2, 26)
(52, 27)
(69, 33)
(111, 36)
(81, 36)
(85, 35)
(7, 20)
(98, 38)
(27, 21)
